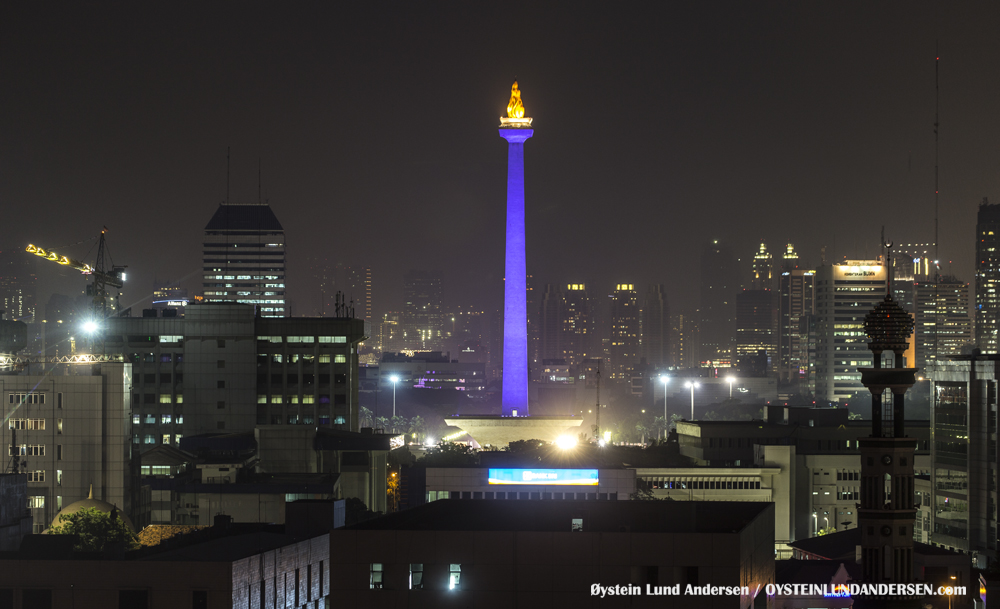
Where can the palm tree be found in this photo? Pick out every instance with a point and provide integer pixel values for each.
(418, 426)
(365, 416)
(398, 423)
(381, 422)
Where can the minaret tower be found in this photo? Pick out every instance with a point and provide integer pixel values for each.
(886, 514)
(516, 129)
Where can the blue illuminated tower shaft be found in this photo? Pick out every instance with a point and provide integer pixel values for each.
(515, 320)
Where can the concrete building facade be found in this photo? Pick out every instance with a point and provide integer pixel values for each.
(71, 433)
(221, 368)
(844, 294)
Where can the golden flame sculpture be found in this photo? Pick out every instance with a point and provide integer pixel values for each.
(515, 109)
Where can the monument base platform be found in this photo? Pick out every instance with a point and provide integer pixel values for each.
(500, 431)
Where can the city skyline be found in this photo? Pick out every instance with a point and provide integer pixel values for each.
(784, 125)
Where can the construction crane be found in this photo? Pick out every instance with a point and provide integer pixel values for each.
(104, 273)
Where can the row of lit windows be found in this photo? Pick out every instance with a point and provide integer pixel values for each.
(303, 339)
(150, 419)
(28, 424)
(26, 398)
(151, 439)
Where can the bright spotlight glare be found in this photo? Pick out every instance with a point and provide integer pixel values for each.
(90, 327)
(394, 379)
(565, 442)
(429, 442)
(601, 443)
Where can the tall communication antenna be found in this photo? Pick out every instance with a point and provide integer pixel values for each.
(937, 259)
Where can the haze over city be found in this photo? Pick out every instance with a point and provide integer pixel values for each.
(658, 129)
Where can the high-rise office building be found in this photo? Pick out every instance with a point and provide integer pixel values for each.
(576, 324)
(964, 454)
(244, 258)
(423, 324)
(17, 285)
(796, 301)
(550, 329)
(623, 350)
(845, 293)
(684, 341)
(790, 259)
(756, 322)
(168, 296)
(719, 285)
(943, 323)
(656, 327)
(762, 271)
(222, 368)
(391, 333)
(353, 282)
(987, 276)
(564, 323)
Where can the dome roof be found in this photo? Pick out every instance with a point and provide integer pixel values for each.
(889, 326)
(90, 502)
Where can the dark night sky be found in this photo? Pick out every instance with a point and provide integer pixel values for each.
(658, 127)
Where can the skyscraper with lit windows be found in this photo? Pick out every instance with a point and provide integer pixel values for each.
(624, 347)
(244, 258)
(845, 293)
(987, 276)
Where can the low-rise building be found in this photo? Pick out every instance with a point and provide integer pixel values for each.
(553, 553)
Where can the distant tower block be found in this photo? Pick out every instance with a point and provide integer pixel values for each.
(516, 129)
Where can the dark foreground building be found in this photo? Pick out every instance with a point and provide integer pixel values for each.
(524, 554)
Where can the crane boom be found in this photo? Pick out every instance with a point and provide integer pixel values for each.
(86, 269)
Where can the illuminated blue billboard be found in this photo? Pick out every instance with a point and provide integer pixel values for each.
(545, 477)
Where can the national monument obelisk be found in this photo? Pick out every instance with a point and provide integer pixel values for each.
(516, 129)
(514, 422)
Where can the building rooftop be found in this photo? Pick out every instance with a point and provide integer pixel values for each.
(244, 218)
(842, 544)
(597, 516)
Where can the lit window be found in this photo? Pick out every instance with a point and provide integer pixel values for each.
(166, 418)
(340, 359)
(416, 576)
(455, 577)
(166, 438)
(324, 359)
(178, 399)
(375, 576)
(275, 399)
(149, 439)
(165, 398)
(261, 398)
(36, 501)
(333, 339)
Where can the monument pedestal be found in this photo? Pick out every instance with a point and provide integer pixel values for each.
(500, 431)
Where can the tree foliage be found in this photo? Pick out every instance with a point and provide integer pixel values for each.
(95, 530)
(449, 454)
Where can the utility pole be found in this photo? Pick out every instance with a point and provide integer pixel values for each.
(598, 401)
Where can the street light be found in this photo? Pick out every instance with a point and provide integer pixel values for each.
(394, 379)
(666, 422)
(691, 385)
(951, 591)
(730, 380)
(827, 521)
(815, 523)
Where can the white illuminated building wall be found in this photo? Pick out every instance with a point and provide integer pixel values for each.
(845, 293)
